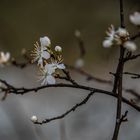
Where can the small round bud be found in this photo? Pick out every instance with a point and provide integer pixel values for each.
(58, 49)
(34, 119)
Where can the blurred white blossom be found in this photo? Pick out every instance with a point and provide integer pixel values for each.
(77, 33)
(4, 57)
(119, 37)
(79, 63)
(135, 18)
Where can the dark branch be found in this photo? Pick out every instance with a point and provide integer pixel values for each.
(133, 75)
(135, 36)
(21, 91)
(89, 76)
(118, 79)
(84, 101)
(132, 57)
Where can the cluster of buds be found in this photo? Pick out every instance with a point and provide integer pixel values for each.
(4, 58)
(119, 37)
(48, 60)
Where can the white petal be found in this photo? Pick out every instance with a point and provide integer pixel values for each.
(61, 66)
(44, 82)
(107, 43)
(45, 41)
(40, 61)
(131, 46)
(51, 80)
(50, 68)
(45, 55)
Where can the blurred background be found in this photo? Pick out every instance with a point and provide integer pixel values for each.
(24, 22)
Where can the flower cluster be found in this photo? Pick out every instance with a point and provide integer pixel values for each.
(118, 37)
(4, 58)
(48, 60)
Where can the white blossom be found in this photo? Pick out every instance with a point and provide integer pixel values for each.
(34, 119)
(4, 57)
(130, 45)
(58, 49)
(48, 71)
(47, 77)
(135, 18)
(45, 41)
(79, 63)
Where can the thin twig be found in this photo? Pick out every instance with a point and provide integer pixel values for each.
(89, 76)
(66, 72)
(84, 101)
(135, 36)
(133, 75)
(132, 57)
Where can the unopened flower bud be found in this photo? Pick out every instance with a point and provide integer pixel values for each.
(58, 49)
(45, 41)
(34, 119)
